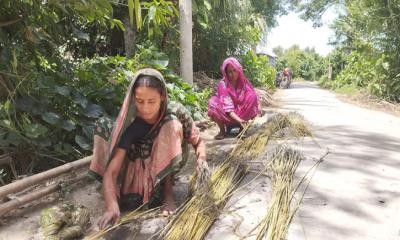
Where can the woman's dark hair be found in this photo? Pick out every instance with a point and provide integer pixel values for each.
(151, 82)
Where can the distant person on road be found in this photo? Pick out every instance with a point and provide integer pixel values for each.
(235, 101)
(136, 161)
(287, 73)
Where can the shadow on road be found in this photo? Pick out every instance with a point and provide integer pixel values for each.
(360, 160)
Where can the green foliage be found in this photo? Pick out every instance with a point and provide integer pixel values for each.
(324, 81)
(53, 117)
(50, 93)
(258, 70)
(367, 44)
(313, 10)
(39, 96)
(159, 16)
(178, 90)
(306, 64)
(366, 71)
(228, 28)
(47, 27)
(134, 7)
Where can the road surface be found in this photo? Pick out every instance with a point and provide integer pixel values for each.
(355, 193)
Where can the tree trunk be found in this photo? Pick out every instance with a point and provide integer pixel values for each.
(185, 9)
(129, 35)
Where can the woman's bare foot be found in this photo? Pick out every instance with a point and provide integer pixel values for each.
(169, 205)
(220, 136)
(222, 132)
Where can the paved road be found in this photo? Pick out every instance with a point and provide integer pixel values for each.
(355, 193)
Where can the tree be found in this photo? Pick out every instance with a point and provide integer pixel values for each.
(306, 64)
(368, 33)
(229, 28)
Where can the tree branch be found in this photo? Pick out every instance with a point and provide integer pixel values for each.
(10, 22)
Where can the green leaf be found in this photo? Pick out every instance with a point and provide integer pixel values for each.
(68, 125)
(43, 142)
(64, 148)
(81, 35)
(207, 4)
(107, 93)
(93, 110)
(7, 105)
(62, 90)
(51, 118)
(25, 103)
(82, 142)
(138, 13)
(79, 99)
(197, 116)
(35, 130)
(10, 139)
(5, 123)
(130, 9)
(191, 98)
(88, 130)
(162, 63)
(181, 96)
(195, 8)
(152, 13)
(46, 82)
(118, 23)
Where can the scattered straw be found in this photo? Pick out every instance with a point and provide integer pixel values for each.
(136, 215)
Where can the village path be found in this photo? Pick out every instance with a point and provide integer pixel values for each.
(355, 192)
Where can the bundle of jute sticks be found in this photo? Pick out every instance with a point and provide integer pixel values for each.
(195, 218)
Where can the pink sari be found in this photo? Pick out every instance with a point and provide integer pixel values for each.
(242, 100)
(162, 151)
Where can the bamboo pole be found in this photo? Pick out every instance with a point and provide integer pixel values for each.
(40, 177)
(19, 201)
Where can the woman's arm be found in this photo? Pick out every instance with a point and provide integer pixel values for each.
(110, 188)
(237, 119)
(200, 149)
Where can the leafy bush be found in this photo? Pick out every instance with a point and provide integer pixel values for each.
(258, 70)
(52, 115)
(304, 63)
(364, 71)
(324, 81)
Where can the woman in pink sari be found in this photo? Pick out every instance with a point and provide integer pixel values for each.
(235, 102)
(148, 143)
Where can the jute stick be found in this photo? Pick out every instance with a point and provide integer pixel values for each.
(40, 177)
(19, 201)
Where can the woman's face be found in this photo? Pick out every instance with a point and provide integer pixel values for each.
(148, 101)
(232, 74)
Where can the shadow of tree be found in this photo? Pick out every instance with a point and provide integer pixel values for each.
(356, 182)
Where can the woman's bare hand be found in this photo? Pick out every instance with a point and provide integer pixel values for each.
(201, 163)
(243, 123)
(108, 216)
